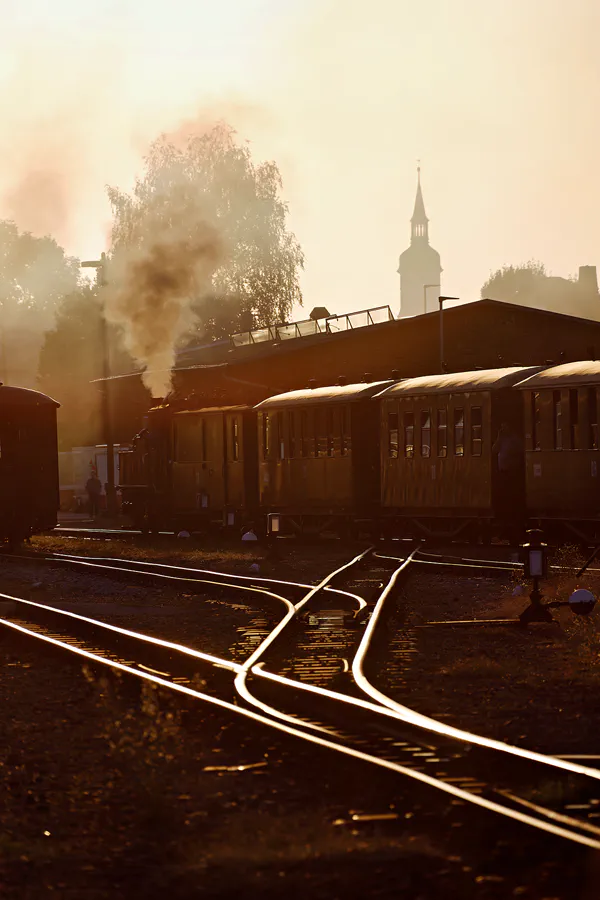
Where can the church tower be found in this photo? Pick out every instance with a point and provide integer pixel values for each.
(419, 265)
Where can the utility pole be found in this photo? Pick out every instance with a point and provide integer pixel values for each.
(441, 302)
(111, 495)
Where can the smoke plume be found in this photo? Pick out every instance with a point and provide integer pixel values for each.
(153, 281)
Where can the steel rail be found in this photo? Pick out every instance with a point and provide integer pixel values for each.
(241, 677)
(459, 793)
(491, 564)
(433, 725)
(228, 578)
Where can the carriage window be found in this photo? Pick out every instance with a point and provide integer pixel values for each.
(536, 420)
(459, 432)
(203, 437)
(330, 430)
(425, 432)
(265, 434)
(574, 418)
(187, 446)
(409, 435)
(235, 440)
(442, 433)
(304, 438)
(291, 435)
(557, 420)
(476, 431)
(320, 433)
(393, 435)
(593, 418)
(280, 440)
(346, 444)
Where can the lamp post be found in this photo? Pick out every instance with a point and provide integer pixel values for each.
(441, 302)
(111, 497)
(425, 286)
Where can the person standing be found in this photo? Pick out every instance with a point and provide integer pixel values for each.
(94, 489)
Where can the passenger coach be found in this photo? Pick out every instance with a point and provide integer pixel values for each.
(439, 474)
(319, 456)
(214, 466)
(192, 469)
(29, 492)
(562, 448)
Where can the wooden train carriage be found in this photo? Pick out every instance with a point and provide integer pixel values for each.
(214, 466)
(29, 491)
(562, 447)
(318, 455)
(438, 471)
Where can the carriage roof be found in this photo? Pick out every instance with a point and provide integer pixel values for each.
(16, 396)
(584, 371)
(335, 393)
(460, 382)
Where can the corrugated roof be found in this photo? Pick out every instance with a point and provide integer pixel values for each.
(345, 393)
(16, 396)
(478, 380)
(583, 372)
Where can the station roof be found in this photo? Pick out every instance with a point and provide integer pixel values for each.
(460, 382)
(336, 393)
(16, 396)
(583, 372)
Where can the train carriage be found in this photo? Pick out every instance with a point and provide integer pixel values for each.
(318, 456)
(29, 490)
(562, 448)
(438, 470)
(214, 468)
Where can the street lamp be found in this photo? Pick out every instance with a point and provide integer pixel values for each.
(441, 302)
(111, 497)
(425, 286)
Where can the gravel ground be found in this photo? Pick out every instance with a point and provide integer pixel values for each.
(107, 790)
(537, 687)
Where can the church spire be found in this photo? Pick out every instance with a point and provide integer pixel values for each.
(419, 221)
(420, 268)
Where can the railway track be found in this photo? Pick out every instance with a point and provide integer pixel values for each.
(376, 730)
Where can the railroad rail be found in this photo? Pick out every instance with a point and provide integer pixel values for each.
(382, 733)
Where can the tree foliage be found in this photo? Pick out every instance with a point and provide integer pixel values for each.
(529, 284)
(35, 274)
(71, 360)
(515, 283)
(257, 282)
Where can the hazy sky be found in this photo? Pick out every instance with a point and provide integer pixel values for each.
(499, 100)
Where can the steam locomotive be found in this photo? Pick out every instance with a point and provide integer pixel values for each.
(29, 491)
(411, 456)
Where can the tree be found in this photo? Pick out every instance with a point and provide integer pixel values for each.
(34, 276)
(212, 183)
(529, 284)
(71, 360)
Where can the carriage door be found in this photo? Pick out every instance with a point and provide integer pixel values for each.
(234, 462)
(214, 462)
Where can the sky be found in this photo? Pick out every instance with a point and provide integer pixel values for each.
(498, 100)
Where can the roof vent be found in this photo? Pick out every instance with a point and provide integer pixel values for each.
(368, 377)
(312, 384)
(342, 380)
(319, 312)
(396, 374)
